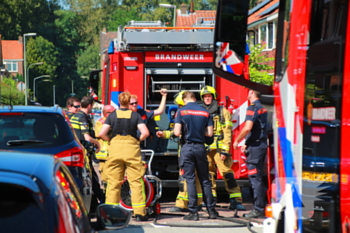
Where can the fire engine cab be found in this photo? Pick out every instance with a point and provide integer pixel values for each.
(145, 57)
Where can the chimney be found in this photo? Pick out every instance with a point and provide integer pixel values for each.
(104, 30)
(20, 39)
(192, 7)
(183, 8)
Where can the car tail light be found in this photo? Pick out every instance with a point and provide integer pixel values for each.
(73, 157)
(11, 113)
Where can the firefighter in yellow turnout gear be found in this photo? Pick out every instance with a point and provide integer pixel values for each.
(125, 156)
(103, 153)
(218, 152)
(181, 203)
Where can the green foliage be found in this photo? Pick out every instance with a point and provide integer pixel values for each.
(258, 65)
(88, 60)
(9, 93)
(41, 50)
(121, 17)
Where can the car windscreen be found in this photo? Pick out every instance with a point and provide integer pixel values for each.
(33, 130)
(20, 211)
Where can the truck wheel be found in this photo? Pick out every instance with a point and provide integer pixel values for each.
(125, 197)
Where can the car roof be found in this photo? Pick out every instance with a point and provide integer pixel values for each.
(31, 164)
(30, 108)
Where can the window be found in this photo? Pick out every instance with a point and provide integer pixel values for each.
(12, 66)
(271, 39)
(263, 34)
(50, 128)
(267, 35)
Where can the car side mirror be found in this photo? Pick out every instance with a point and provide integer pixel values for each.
(112, 217)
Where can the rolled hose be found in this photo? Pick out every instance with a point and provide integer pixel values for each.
(125, 200)
(239, 222)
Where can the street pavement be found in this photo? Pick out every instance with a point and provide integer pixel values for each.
(174, 223)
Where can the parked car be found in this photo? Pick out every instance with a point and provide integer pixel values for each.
(46, 130)
(39, 194)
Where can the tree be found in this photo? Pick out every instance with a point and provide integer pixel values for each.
(18, 17)
(88, 60)
(9, 93)
(41, 50)
(258, 67)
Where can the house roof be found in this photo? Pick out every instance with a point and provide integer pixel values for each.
(190, 19)
(106, 38)
(263, 10)
(259, 12)
(12, 49)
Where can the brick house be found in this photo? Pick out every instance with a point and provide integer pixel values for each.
(262, 23)
(12, 56)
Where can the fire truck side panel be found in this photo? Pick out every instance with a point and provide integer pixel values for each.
(344, 137)
(115, 79)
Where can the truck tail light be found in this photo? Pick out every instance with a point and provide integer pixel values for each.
(73, 157)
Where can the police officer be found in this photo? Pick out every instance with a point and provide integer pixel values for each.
(193, 123)
(125, 155)
(82, 124)
(73, 104)
(103, 153)
(218, 152)
(181, 203)
(255, 148)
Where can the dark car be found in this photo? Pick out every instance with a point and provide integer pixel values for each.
(46, 130)
(38, 194)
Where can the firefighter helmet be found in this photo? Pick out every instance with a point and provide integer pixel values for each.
(178, 98)
(208, 90)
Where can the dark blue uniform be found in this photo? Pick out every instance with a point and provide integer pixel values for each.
(256, 142)
(193, 156)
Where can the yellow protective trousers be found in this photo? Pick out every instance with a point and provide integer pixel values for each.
(182, 196)
(125, 157)
(225, 170)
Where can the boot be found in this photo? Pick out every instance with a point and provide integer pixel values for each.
(141, 218)
(213, 214)
(178, 209)
(254, 214)
(234, 205)
(192, 216)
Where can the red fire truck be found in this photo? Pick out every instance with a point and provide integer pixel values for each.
(147, 57)
(311, 93)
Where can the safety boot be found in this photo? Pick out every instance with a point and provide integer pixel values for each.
(141, 218)
(254, 214)
(192, 216)
(213, 214)
(234, 205)
(177, 209)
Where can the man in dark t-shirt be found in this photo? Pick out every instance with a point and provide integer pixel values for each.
(193, 123)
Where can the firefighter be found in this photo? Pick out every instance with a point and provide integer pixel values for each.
(218, 152)
(82, 124)
(103, 153)
(73, 105)
(255, 148)
(125, 156)
(181, 203)
(193, 123)
(147, 116)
